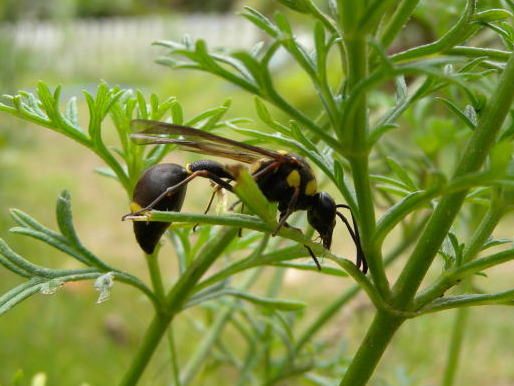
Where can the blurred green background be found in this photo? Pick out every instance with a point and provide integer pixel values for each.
(78, 43)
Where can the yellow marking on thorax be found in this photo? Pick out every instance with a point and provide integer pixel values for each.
(135, 207)
(188, 170)
(256, 165)
(311, 188)
(283, 152)
(293, 179)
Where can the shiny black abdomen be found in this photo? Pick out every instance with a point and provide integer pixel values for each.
(152, 183)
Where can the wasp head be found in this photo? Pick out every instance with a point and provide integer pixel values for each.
(322, 216)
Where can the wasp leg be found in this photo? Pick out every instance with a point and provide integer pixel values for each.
(171, 189)
(289, 211)
(233, 206)
(216, 189)
(318, 265)
(313, 257)
(240, 230)
(265, 170)
(354, 233)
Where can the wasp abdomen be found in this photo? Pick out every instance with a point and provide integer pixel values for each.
(151, 185)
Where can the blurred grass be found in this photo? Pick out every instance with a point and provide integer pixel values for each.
(74, 340)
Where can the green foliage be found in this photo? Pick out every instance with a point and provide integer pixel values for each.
(418, 132)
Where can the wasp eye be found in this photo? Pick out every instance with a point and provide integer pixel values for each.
(322, 216)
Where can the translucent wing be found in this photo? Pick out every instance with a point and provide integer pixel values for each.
(198, 141)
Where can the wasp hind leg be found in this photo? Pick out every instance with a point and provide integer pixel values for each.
(198, 173)
(216, 189)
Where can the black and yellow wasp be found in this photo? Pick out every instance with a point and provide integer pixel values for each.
(284, 178)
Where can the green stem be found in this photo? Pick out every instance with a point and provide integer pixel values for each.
(135, 282)
(151, 340)
(333, 308)
(252, 222)
(379, 335)
(459, 33)
(158, 287)
(385, 324)
(367, 224)
(476, 52)
(452, 362)
(480, 236)
(483, 263)
(155, 274)
(400, 17)
(214, 332)
(442, 218)
(374, 13)
(326, 315)
(352, 134)
(296, 114)
(499, 298)
(173, 353)
(484, 230)
(358, 157)
(174, 302)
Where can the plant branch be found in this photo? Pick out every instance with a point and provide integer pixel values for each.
(400, 17)
(461, 31)
(473, 157)
(252, 222)
(174, 302)
(354, 131)
(500, 298)
(452, 276)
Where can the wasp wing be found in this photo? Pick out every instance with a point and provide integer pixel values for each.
(198, 141)
(199, 147)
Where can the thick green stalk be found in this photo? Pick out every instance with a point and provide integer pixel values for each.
(379, 335)
(442, 218)
(174, 301)
(151, 340)
(353, 135)
(350, 13)
(385, 325)
(358, 157)
(368, 225)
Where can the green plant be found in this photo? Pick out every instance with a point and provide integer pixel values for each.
(449, 168)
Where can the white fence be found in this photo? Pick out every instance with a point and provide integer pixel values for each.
(101, 46)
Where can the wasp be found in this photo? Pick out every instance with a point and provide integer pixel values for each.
(284, 178)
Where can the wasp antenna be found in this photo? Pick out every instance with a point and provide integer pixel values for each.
(354, 233)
